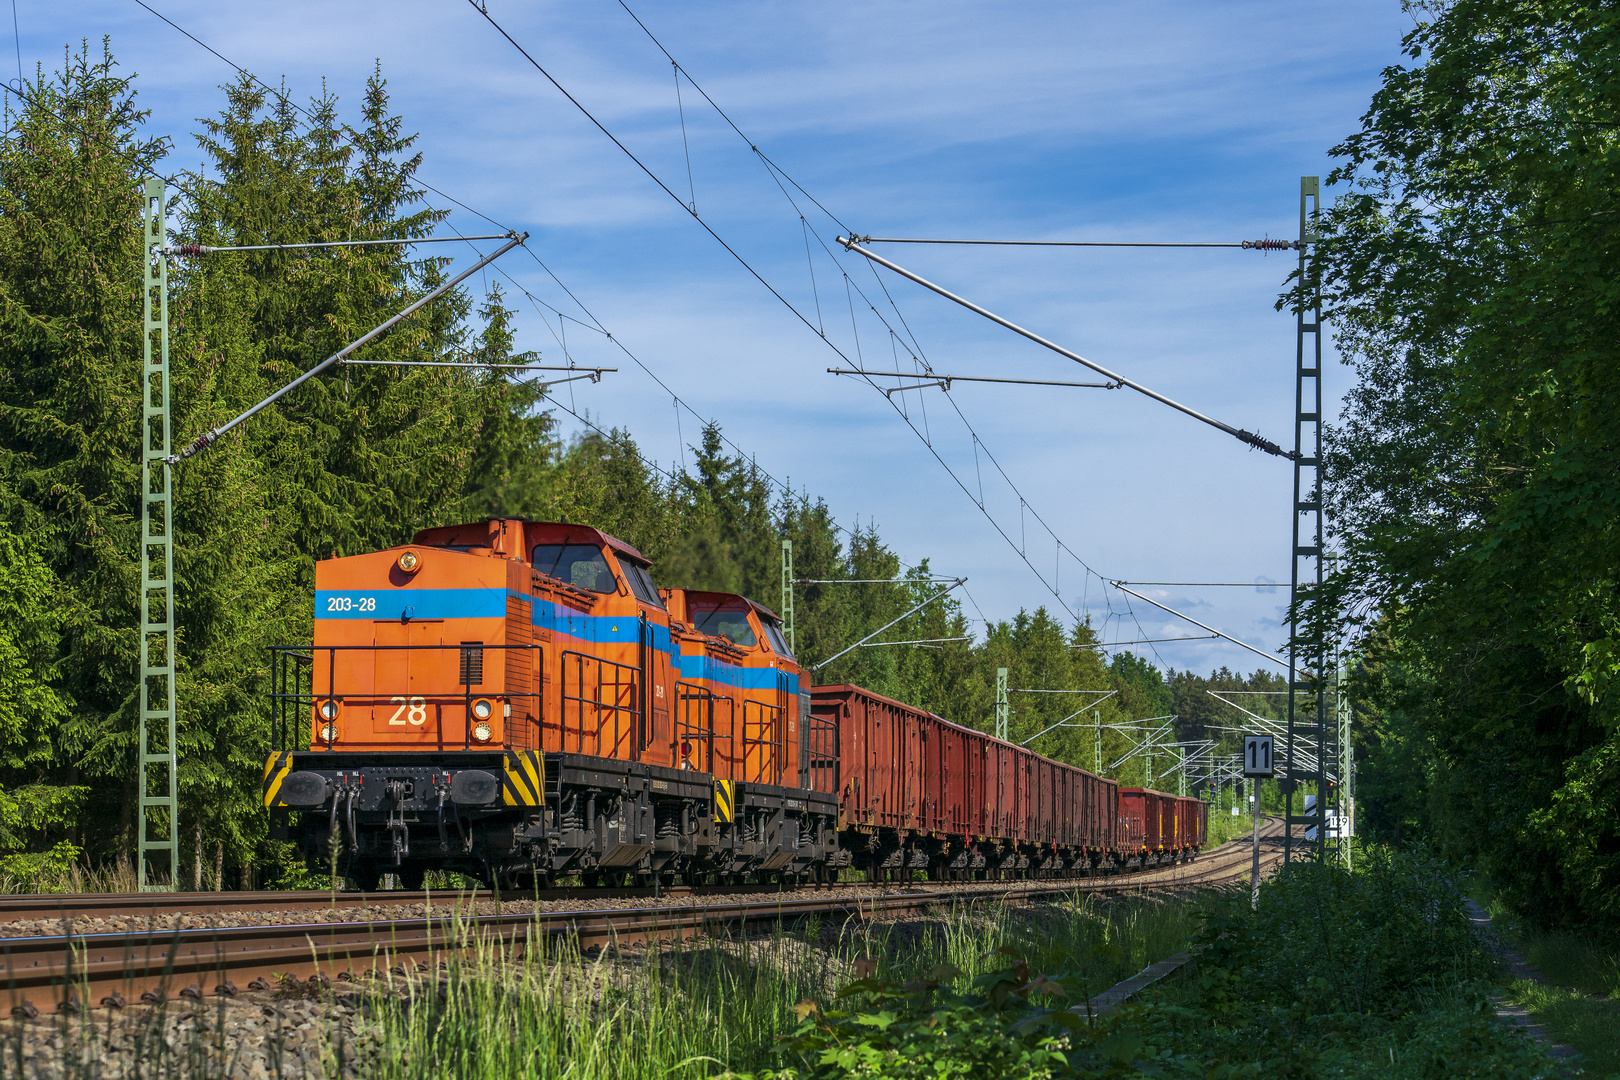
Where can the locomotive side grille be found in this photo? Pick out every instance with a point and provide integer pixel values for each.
(472, 663)
(519, 664)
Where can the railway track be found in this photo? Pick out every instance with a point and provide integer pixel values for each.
(75, 972)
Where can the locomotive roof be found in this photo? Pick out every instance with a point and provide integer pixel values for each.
(761, 608)
(613, 542)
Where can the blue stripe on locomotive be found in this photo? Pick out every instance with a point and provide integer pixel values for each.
(587, 629)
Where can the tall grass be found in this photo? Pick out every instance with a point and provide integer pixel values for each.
(544, 1009)
(699, 1008)
(61, 876)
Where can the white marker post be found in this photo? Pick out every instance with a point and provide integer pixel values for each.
(1257, 766)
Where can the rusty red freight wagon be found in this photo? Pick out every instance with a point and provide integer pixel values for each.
(1157, 827)
(917, 792)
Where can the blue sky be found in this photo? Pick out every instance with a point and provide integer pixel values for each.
(1152, 121)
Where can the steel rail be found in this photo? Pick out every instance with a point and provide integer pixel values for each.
(77, 906)
(78, 972)
(151, 905)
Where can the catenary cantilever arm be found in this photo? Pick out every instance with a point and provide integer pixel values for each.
(208, 438)
(1120, 585)
(1249, 437)
(885, 626)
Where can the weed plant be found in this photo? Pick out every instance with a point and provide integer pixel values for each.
(67, 876)
(1373, 974)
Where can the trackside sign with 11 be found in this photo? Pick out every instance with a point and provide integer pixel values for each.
(1257, 756)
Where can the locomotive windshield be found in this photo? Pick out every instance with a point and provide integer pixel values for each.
(583, 565)
(729, 624)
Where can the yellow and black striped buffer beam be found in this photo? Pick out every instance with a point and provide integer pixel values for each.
(725, 802)
(276, 768)
(523, 781)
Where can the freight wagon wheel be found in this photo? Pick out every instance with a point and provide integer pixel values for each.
(411, 876)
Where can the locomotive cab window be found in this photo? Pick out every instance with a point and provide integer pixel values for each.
(582, 565)
(729, 624)
(773, 631)
(641, 582)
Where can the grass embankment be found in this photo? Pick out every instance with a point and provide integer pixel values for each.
(1373, 974)
(1376, 973)
(694, 1009)
(701, 1009)
(1579, 1004)
(1224, 827)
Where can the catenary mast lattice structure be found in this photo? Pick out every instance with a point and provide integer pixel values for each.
(158, 788)
(1311, 700)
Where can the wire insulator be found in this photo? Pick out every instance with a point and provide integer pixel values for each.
(1260, 442)
(1271, 245)
(188, 251)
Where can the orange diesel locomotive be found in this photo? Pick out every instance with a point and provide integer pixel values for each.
(514, 700)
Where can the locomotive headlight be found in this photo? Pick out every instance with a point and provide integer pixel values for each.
(481, 731)
(329, 733)
(329, 709)
(410, 562)
(482, 709)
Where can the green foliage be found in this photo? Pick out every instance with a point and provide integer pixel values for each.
(1371, 974)
(32, 608)
(1469, 271)
(999, 993)
(1376, 940)
(1011, 1023)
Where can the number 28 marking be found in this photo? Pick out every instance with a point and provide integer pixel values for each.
(414, 711)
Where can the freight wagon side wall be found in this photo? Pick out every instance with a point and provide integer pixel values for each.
(1131, 817)
(902, 767)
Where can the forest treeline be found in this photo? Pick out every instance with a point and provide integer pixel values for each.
(356, 460)
(1468, 265)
